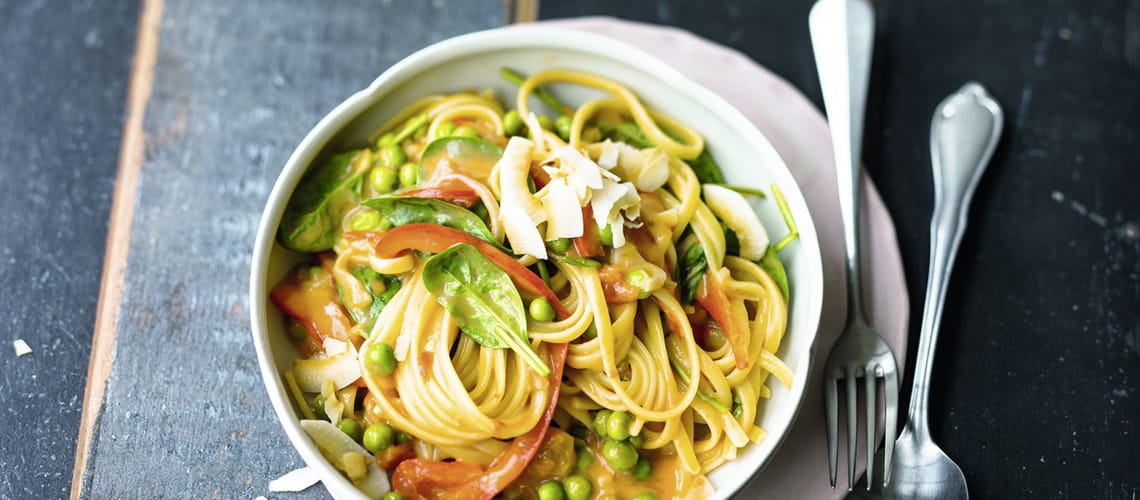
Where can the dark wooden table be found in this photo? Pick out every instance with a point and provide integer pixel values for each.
(138, 142)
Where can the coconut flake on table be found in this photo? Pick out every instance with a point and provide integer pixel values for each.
(21, 347)
(294, 481)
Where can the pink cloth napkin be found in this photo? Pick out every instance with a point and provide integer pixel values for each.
(799, 133)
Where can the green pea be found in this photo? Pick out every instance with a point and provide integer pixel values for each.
(383, 179)
(318, 406)
(737, 407)
(541, 309)
(512, 122)
(643, 469)
(600, 422)
(636, 441)
(645, 496)
(386, 139)
(352, 428)
(380, 359)
(577, 487)
(465, 131)
(617, 427)
(639, 278)
(409, 174)
(620, 454)
(551, 490)
(544, 122)
(365, 221)
(392, 495)
(562, 126)
(296, 330)
(403, 437)
(606, 235)
(585, 460)
(560, 245)
(378, 437)
(445, 129)
(392, 156)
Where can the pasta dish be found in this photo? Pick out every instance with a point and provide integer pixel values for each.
(496, 303)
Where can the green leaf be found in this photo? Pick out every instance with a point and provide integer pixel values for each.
(690, 270)
(482, 299)
(400, 210)
(312, 219)
(772, 265)
(372, 281)
(470, 156)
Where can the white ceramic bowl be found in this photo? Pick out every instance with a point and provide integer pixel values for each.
(473, 62)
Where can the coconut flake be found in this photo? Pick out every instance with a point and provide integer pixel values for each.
(608, 157)
(609, 203)
(298, 480)
(562, 206)
(589, 171)
(333, 346)
(21, 347)
(520, 211)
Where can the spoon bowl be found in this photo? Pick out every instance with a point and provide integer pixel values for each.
(963, 135)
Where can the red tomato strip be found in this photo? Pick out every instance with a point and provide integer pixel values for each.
(711, 296)
(588, 245)
(429, 479)
(313, 303)
(435, 238)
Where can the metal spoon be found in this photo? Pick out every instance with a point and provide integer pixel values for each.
(963, 136)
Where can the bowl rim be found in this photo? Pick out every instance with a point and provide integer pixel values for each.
(508, 37)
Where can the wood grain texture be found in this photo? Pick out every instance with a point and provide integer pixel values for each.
(64, 71)
(236, 86)
(118, 236)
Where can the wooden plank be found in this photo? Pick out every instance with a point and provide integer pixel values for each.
(236, 86)
(118, 235)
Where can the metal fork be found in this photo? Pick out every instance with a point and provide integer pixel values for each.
(841, 36)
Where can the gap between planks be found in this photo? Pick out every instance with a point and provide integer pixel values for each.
(131, 155)
(522, 11)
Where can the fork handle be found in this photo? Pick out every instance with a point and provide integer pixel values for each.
(842, 33)
(963, 135)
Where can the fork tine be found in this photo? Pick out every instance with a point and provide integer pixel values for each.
(852, 424)
(869, 382)
(831, 403)
(890, 414)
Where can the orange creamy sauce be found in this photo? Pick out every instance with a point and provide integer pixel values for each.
(557, 460)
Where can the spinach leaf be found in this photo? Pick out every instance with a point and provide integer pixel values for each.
(312, 219)
(482, 299)
(372, 282)
(400, 210)
(690, 270)
(470, 156)
(772, 265)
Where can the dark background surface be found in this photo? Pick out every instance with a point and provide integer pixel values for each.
(1035, 386)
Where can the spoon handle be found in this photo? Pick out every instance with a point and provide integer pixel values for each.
(842, 35)
(963, 135)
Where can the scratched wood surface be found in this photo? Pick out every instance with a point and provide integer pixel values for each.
(236, 85)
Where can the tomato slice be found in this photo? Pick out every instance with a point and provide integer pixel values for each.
(429, 479)
(435, 238)
(712, 297)
(589, 244)
(314, 302)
